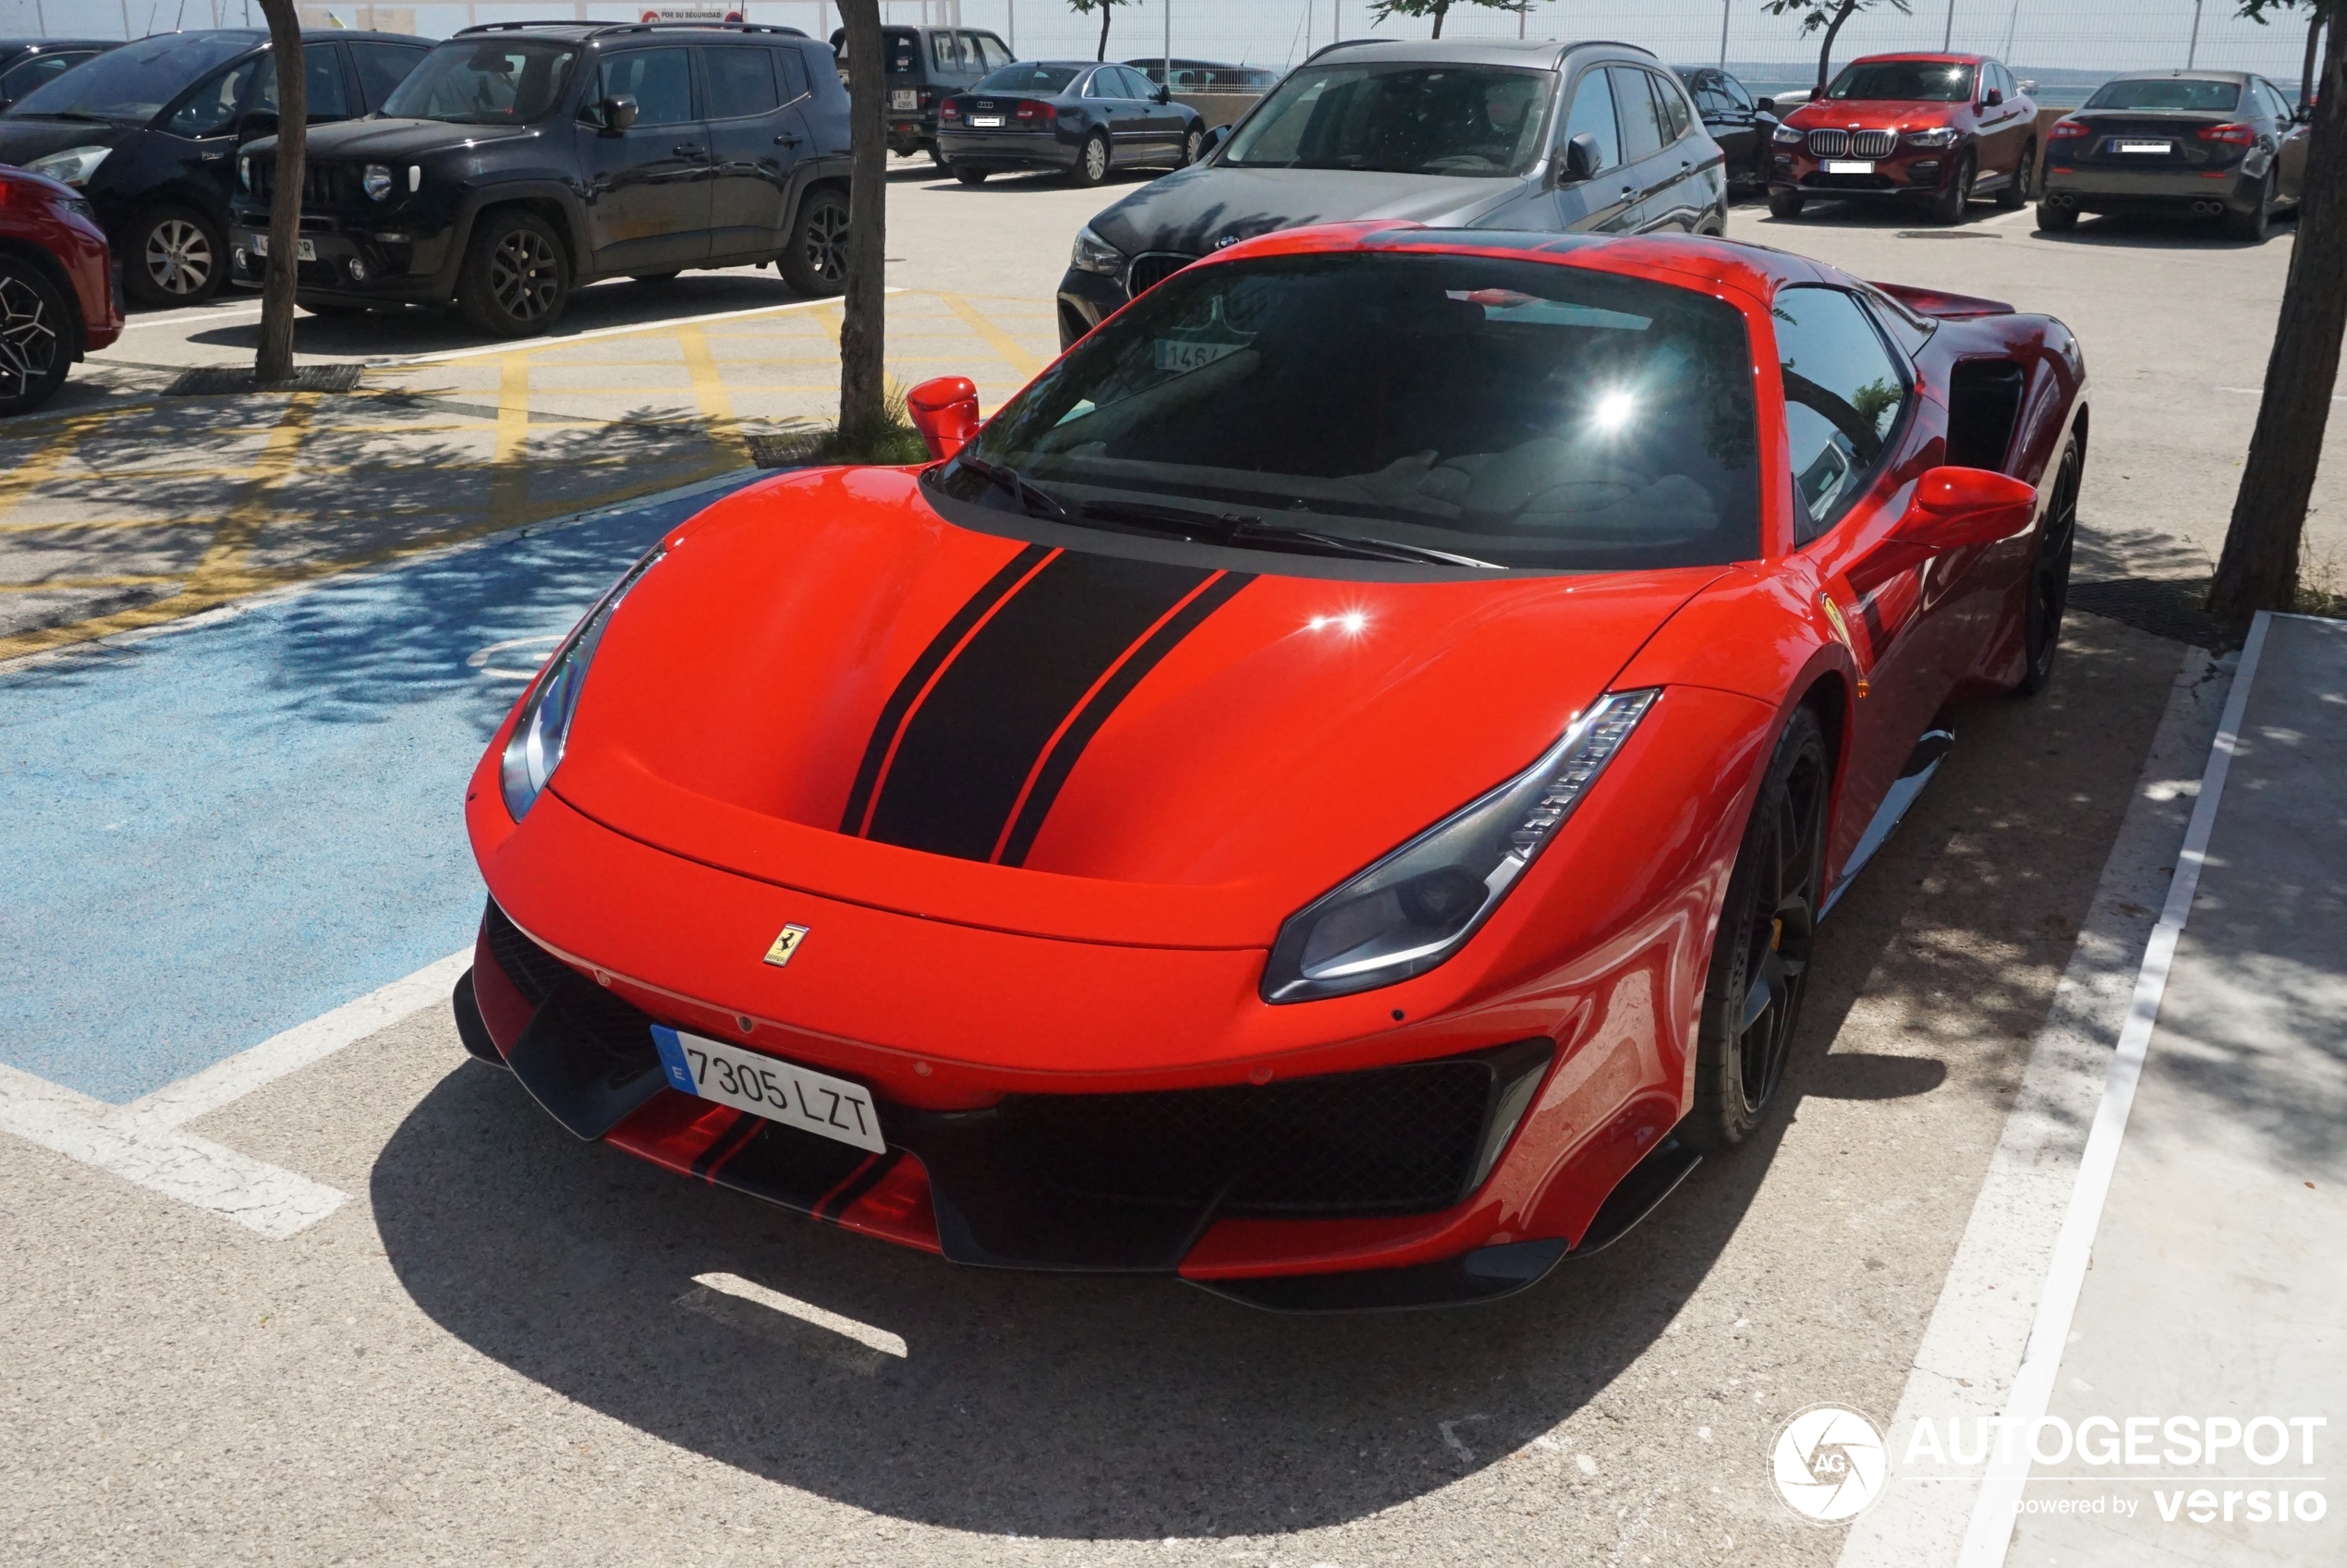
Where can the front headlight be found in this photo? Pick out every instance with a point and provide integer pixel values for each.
(1418, 905)
(1093, 254)
(376, 182)
(74, 165)
(1788, 137)
(1942, 136)
(244, 174)
(542, 727)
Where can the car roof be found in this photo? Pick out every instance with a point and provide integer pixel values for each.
(2238, 78)
(1526, 53)
(1928, 56)
(599, 32)
(60, 43)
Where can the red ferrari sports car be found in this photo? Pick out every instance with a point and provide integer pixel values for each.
(1330, 793)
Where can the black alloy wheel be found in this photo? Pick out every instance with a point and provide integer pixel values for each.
(815, 262)
(2056, 218)
(515, 282)
(177, 258)
(34, 354)
(1091, 161)
(971, 177)
(1785, 203)
(937, 158)
(1760, 958)
(2015, 194)
(2050, 574)
(2252, 226)
(1191, 144)
(1948, 206)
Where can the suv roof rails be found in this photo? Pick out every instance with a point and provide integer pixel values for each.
(1347, 43)
(1566, 45)
(606, 29)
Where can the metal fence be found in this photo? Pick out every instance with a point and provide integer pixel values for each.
(2067, 45)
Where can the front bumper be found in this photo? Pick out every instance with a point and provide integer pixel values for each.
(1086, 299)
(399, 265)
(1907, 172)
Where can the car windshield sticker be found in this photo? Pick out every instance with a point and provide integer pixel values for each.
(1195, 344)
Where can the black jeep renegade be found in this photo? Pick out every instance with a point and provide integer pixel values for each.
(518, 161)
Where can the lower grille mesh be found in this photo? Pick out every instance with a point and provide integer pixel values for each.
(534, 971)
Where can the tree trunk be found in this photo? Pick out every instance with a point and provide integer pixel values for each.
(1441, 8)
(863, 396)
(2259, 568)
(1107, 8)
(2306, 69)
(1825, 55)
(273, 361)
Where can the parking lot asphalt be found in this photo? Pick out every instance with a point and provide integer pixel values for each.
(480, 1341)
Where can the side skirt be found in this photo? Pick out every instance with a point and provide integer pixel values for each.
(1930, 751)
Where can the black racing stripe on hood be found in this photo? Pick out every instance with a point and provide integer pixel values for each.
(968, 748)
(1060, 761)
(900, 701)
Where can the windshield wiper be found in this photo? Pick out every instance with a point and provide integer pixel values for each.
(83, 117)
(1032, 498)
(1240, 527)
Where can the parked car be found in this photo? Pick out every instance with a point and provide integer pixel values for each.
(149, 132)
(1074, 115)
(1206, 76)
(927, 65)
(60, 295)
(1937, 129)
(2217, 144)
(28, 63)
(1489, 134)
(1742, 125)
(521, 160)
(1332, 794)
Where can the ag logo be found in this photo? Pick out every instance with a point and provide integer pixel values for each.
(1829, 1464)
(785, 945)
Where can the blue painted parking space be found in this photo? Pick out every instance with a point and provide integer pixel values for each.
(214, 834)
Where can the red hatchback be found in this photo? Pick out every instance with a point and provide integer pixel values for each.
(59, 297)
(1941, 129)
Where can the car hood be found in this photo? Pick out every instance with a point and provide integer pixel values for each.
(1871, 114)
(1198, 208)
(25, 138)
(386, 140)
(824, 684)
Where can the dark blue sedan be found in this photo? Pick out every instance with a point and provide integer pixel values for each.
(1074, 115)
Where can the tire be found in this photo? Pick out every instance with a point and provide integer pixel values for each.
(1785, 203)
(1760, 958)
(1092, 162)
(1948, 206)
(651, 277)
(971, 177)
(2049, 587)
(514, 281)
(36, 337)
(2015, 193)
(2056, 220)
(1190, 147)
(177, 256)
(815, 261)
(2251, 227)
(937, 157)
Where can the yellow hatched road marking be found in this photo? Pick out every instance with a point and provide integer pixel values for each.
(1011, 351)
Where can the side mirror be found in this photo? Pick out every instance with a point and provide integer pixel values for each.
(1580, 159)
(1995, 99)
(945, 411)
(256, 125)
(1766, 106)
(1164, 95)
(1957, 509)
(618, 113)
(1215, 138)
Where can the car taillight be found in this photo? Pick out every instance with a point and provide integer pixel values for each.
(949, 110)
(1030, 109)
(927, 98)
(2235, 134)
(2062, 129)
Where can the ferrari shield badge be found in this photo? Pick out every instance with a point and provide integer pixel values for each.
(785, 945)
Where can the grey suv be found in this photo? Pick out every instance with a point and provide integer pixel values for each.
(1586, 137)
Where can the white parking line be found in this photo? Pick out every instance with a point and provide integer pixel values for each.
(180, 318)
(709, 1300)
(2260, 391)
(143, 1142)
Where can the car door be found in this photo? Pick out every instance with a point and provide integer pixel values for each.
(1104, 95)
(1161, 124)
(1603, 202)
(1689, 165)
(1645, 136)
(2290, 158)
(2005, 124)
(381, 66)
(199, 133)
(1727, 122)
(752, 143)
(647, 186)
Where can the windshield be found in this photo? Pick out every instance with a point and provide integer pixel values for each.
(1022, 77)
(1521, 413)
(2167, 92)
(510, 81)
(135, 81)
(1412, 119)
(1906, 81)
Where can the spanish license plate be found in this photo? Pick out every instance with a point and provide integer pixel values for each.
(2143, 147)
(1844, 166)
(904, 98)
(987, 122)
(780, 1092)
(304, 250)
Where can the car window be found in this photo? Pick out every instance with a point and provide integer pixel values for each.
(1097, 85)
(661, 80)
(1136, 84)
(1404, 117)
(1843, 394)
(1904, 81)
(741, 82)
(793, 68)
(942, 54)
(135, 81)
(211, 107)
(322, 79)
(992, 55)
(36, 73)
(1736, 95)
(2166, 92)
(1677, 120)
(496, 81)
(1710, 100)
(1527, 414)
(383, 67)
(1593, 116)
(1642, 129)
(1044, 81)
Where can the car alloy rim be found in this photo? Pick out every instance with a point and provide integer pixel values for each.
(524, 275)
(28, 341)
(178, 256)
(2050, 579)
(1096, 158)
(1780, 919)
(1189, 147)
(827, 243)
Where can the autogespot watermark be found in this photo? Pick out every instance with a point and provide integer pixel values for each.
(1830, 1463)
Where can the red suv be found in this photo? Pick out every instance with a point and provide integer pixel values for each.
(1936, 127)
(59, 295)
